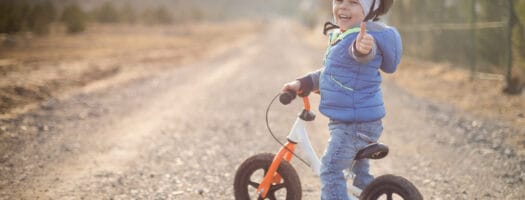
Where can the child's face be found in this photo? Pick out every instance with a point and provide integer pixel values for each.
(347, 13)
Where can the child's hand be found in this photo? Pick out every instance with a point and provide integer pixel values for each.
(364, 41)
(293, 86)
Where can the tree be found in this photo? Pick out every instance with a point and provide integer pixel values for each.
(163, 16)
(23, 16)
(519, 28)
(41, 16)
(128, 14)
(160, 15)
(74, 18)
(107, 13)
(13, 16)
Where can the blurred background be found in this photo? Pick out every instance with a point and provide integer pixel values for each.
(486, 37)
(91, 104)
(476, 45)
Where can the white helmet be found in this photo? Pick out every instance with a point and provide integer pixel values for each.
(375, 8)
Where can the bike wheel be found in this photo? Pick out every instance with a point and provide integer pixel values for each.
(390, 187)
(251, 173)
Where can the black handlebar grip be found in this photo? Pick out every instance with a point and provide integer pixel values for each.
(286, 97)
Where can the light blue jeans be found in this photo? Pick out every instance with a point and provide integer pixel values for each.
(346, 139)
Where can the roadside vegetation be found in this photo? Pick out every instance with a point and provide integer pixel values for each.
(38, 17)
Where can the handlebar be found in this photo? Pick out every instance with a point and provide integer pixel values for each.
(286, 97)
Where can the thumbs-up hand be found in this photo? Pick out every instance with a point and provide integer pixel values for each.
(364, 41)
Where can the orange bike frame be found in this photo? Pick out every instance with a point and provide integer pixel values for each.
(286, 152)
(272, 177)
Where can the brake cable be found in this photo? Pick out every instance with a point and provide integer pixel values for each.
(273, 135)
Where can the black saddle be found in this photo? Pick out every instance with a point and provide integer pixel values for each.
(372, 151)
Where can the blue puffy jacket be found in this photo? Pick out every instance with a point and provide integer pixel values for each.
(350, 90)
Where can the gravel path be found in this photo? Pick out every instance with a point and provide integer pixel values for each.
(182, 133)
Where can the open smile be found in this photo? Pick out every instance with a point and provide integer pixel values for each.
(344, 17)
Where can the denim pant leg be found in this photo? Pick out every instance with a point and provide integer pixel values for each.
(363, 176)
(338, 156)
(367, 133)
(346, 139)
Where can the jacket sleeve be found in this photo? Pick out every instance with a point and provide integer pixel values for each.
(310, 82)
(363, 58)
(392, 49)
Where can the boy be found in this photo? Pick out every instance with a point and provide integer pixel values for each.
(349, 85)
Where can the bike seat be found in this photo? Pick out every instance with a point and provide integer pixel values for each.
(372, 151)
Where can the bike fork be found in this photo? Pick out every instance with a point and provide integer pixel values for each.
(272, 177)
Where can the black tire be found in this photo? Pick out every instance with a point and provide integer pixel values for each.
(252, 171)
(390, 187)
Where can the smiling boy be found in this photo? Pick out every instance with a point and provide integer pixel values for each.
(349, 85)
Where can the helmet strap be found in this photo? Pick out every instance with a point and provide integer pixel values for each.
(329, 26)
(371, 13)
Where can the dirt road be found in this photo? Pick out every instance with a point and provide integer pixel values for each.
(182, 133)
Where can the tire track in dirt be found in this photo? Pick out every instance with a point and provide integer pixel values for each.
(137, 110)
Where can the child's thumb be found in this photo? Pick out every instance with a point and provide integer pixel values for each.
(363, 29)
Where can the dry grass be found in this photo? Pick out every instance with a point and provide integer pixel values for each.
(40, 68)
(443, 83)
(119, 40)
(482, 97)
